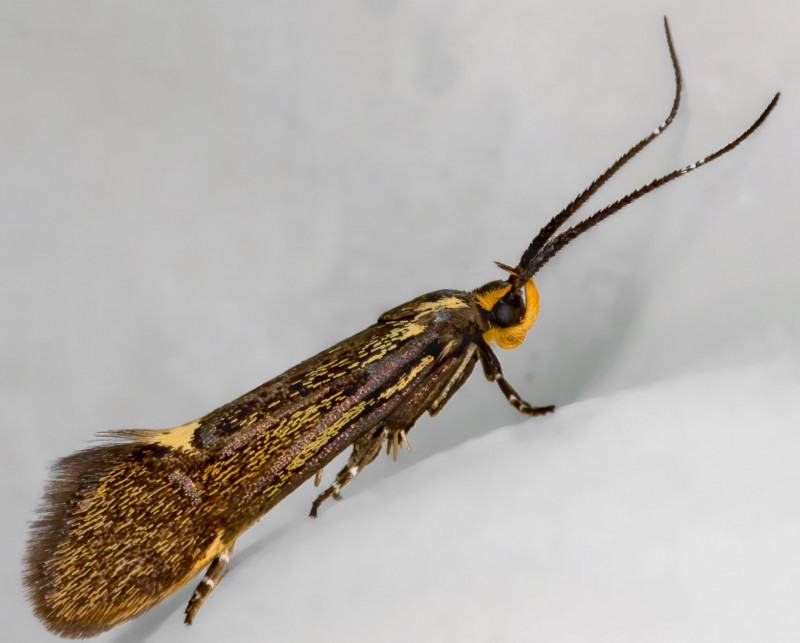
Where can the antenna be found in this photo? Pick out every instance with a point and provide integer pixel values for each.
(546, 244)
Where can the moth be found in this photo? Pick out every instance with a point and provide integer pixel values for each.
(125, 524)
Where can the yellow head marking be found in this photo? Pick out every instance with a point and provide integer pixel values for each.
(512, 336)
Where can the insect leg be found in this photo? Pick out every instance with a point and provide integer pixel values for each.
(216, 570)
(491, 367)
(365, 450)
(396, 439)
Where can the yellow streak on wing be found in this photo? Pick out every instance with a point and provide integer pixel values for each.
(434, 407)
(445, 302)
(178, 437)
(412, 330)
(406, 379)
(388, 343)
(351, 414)
(313, 447)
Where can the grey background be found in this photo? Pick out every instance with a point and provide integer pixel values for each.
(195, 196)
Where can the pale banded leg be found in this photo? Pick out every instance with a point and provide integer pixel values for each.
(216, 570)
(395, 440)
(491, 367)
(517, 402)
(365, 450)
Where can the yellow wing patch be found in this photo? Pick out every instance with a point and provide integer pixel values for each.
(178, 437)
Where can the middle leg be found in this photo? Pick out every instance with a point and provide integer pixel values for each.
(365, 450)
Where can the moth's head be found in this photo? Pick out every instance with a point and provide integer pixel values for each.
(508, 313)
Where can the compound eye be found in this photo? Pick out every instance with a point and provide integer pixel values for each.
(505, 314)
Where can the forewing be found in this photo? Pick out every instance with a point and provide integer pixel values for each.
(123, 525)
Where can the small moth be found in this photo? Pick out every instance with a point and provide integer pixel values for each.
(125, 524)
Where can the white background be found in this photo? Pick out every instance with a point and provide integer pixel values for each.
(196, 195)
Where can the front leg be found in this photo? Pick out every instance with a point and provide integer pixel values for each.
(491, 367)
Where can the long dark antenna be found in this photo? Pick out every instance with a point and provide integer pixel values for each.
(546, 244)
(565, 237)
(519, 275)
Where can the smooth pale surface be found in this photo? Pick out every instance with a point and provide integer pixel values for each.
(194, 196)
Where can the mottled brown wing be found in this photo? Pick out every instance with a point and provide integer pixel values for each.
(124, 525)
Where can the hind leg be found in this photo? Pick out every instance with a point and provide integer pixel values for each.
(216, 570)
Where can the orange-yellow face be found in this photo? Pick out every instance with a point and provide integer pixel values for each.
(510, 316)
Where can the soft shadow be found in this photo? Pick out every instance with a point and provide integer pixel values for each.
(255, 548)
(144, 627)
